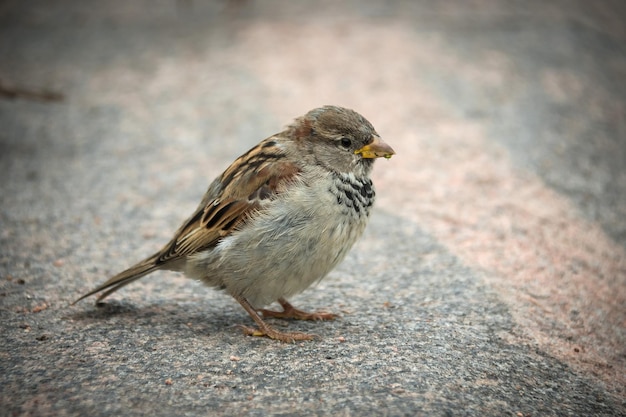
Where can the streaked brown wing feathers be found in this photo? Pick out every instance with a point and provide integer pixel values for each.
(240, 197)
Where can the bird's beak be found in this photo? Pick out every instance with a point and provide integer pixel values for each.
(375, 149)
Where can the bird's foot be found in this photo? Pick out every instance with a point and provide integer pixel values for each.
(266, 330)
(290, 312)
(294, 313)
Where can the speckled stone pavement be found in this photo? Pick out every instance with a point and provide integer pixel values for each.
(491, 280)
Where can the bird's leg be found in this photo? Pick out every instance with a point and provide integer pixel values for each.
(290, 312)
(264, 329)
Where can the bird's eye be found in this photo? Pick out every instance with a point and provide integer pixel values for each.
(346, 142)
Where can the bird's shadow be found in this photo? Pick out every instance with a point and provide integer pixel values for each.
(214, 319)
(162, 315)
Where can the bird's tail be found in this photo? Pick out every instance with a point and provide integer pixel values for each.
(133, 273)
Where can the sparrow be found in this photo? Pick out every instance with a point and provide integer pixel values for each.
(278, 219)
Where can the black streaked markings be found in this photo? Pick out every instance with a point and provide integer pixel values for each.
(231, 223)
(355, 193)
(211, 218)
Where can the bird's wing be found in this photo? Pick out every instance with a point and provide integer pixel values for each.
(243, 189)
(252, 180)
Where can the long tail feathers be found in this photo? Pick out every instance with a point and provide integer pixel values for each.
(126, 277)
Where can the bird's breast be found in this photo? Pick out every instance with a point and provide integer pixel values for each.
(295, 241)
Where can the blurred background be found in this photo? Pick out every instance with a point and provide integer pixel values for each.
(542, 80)
(508, 119)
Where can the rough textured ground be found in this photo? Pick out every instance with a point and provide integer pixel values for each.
(491, 281)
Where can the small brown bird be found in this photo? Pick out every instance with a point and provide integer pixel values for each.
(279, 219)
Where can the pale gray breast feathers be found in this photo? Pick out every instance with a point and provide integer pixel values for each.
(295, 241)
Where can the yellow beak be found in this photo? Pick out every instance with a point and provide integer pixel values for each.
(375, 149)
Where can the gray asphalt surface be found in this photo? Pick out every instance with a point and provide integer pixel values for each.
(491, 280)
